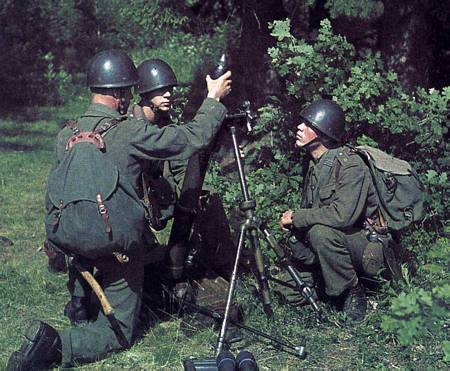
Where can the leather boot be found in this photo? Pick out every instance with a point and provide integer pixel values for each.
(355, 304)
(40, 350)
(77, 310)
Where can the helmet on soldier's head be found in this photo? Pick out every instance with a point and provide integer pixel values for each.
(327, 117)
(155, 74)
(111, 69)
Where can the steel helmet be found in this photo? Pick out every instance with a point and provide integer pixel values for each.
(155, 74)
(111, 69)
(327, 117)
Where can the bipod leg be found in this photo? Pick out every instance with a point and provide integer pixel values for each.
(298, 350)
(260, 273)
(302, 288)
(223, 329)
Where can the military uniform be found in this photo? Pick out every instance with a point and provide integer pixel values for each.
(333, 209)
(211, 237)
(162, 180)
(130, 145)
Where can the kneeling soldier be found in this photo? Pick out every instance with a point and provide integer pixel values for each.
(129, 145)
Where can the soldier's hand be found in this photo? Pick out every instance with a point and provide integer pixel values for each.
(219, 88)
(286, 220)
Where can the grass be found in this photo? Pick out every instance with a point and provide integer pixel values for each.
(28, 290)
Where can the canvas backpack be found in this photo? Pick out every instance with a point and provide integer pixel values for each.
(398, 189)
(91, 210)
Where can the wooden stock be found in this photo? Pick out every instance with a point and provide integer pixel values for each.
(106, 306)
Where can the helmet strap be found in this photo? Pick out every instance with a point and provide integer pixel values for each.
(311, 145)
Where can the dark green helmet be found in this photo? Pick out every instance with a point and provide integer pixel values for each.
(327, 117)
(155, 74)
(111, 69)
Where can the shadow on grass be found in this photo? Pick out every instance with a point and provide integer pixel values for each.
(20, 132)
(26, 114)
(5, 146)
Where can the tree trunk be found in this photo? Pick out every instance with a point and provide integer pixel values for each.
(406, 41)
(254, 77)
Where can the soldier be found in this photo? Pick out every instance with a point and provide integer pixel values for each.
(328, 231)
(211, 235)
(162, 179)
(111, 75)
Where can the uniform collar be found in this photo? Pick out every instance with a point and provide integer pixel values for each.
(100, 110)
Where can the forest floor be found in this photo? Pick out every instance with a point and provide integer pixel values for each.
(28, 290)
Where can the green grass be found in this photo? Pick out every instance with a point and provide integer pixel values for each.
(28, 290)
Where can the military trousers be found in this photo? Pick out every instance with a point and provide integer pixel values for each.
(123, 286)
(335, 253)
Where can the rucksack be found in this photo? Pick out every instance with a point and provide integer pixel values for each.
(91, 210)
(398, 188)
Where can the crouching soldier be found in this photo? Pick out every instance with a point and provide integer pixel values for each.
(128, 145)
(328, 234)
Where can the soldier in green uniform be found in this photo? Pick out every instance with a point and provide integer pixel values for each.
(328, 229)
(211, 236)
(111, 75)
(162, 179)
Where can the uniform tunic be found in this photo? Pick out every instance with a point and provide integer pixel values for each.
(332, 216)
(130, 145)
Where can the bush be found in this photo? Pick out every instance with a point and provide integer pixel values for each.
(184, 52)
(423, 309)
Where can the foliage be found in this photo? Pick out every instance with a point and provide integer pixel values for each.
(22, 40)
(48, 44)
(185, 52)
(422, 310)
(138, 24)
(355, 8)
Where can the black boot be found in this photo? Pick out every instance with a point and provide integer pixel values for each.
(355, 304)
(40, 350)
(77, 310)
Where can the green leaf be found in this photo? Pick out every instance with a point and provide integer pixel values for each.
(281, 29)
(446, 350)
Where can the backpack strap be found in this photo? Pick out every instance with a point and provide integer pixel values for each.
(108, 125)
(95, 137)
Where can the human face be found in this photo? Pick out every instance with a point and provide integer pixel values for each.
(305, 134)
(162, 99)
